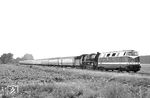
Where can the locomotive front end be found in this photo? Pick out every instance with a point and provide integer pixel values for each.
(133, 61)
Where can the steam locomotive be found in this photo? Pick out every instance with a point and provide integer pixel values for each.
(125, 60)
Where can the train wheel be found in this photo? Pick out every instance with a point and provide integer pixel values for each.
(127, 71)
(94, 66)
(100, 68)
(82, 66)
(119, 70)
(134, 71)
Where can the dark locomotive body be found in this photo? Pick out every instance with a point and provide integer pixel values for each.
(126, 60)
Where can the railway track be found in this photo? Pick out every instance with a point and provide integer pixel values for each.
(115, 72)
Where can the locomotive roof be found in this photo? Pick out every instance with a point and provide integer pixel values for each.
(115, 53)
(119, 51)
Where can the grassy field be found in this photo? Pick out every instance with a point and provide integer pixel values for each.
(145, 68)
(54, 82)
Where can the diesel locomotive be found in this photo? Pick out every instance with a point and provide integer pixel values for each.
(125, 60)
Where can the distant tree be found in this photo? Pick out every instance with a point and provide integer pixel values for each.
(16, 61)
(27, 57)
(6, 58)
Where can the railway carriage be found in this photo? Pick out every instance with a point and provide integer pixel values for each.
(31, 62)
(66, 61)
(62, 61)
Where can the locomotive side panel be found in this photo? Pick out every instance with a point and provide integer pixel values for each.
(110, 63)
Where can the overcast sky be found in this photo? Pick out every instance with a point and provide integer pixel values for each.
(53, 28)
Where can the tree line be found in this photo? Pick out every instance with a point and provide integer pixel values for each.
(7, 58)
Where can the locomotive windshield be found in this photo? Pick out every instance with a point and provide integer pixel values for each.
(133, 53)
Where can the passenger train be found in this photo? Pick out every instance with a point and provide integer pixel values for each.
(125, 60)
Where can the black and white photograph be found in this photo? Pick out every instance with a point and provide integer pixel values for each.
(74, 49)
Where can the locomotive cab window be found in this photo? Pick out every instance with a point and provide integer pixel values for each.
(124, 54)
(108, 55)
(114, 54)
(132, 53)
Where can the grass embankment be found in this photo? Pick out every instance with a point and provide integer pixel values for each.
(53, 82)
